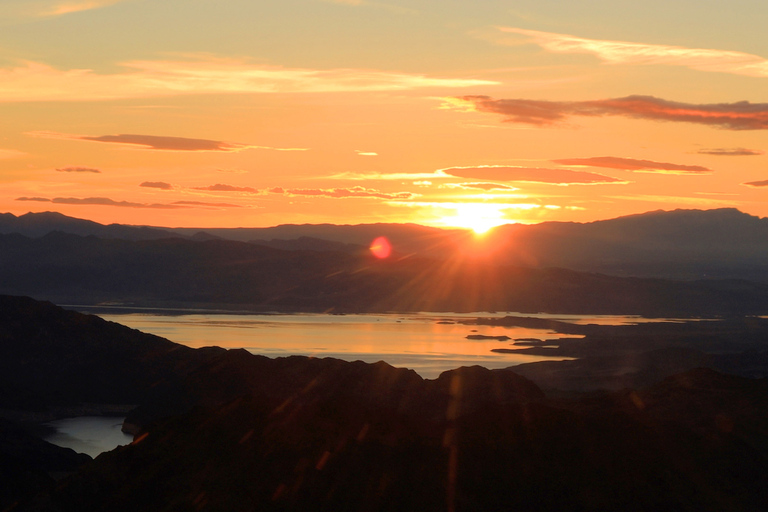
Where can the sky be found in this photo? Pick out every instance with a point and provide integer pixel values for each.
(203, 113)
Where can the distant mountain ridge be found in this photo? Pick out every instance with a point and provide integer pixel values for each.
(722, 243)
(689, 244)
(225, 274)
(35, 225)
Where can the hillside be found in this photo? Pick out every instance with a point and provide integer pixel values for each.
(228, 430)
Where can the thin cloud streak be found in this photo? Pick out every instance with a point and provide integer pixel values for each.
(11, 153)
(763, 183)
(730, 152)
(157, 184)
(98, 201)
(480, 186)
(78, 169)
(349, 192)
(696, 202)
(105, 201)
(24, 10)
(741, 115)
(34, 81)
(622, 52)
(631, 164)
(61, 8)
(160, 143)
(221, 187)
(395, 176)
(531, 175)
(206, 205)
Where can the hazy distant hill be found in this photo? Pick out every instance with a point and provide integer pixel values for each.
(39, 224)
(679, 244)
(407, 238)
(175, 272)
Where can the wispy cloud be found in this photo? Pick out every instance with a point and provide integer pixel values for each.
(34, 81)
(763, 183)
(221, 187)
(160, 143)
(479, 186)
(14, 10)
(631, 164)
(369, 3)
(622, 52)
(530, 175)
(349, 192)
(99, 201)
(741, 115)
(697, 202)
(394, 176)
(105, 201)
(206, 205)
(730, 152)
(157, 184)
(11, 153)
(60, 8)
(78, 169)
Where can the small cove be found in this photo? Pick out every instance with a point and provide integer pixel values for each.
(91, 435)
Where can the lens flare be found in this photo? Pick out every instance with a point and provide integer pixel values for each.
(381, 248)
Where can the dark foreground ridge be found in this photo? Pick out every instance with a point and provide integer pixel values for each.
(221, 430)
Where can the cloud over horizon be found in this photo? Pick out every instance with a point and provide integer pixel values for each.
(622, 52)
(35, 81)
(730, 152)
(480, 186)
(206, 205)
(98, 201)
(349, 192)
(530, 175)
(741, 115)
(157, 184)
(11, 153)
(78, 169)
(631, 164)
(105, 201)
(25, 9)
(159, 142)
(221, 187)
(762, 183)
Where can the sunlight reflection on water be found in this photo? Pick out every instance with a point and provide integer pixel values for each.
(426, 343)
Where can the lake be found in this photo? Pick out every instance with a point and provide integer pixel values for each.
(89, 434)
(424, 342)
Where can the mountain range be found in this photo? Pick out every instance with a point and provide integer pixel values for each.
(684, 262)
(679, 244)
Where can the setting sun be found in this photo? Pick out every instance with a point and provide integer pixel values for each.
(479, 217)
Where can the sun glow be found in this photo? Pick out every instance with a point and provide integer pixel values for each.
(479, 217)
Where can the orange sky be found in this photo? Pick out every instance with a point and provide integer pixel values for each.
(244, 113)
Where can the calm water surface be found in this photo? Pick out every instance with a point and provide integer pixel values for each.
(89, 434)
(426, 343)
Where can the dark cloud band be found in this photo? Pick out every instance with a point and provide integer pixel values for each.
(631, 164)
(741, 115)
(530, 174)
